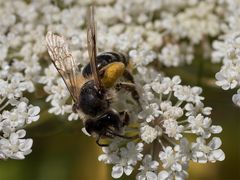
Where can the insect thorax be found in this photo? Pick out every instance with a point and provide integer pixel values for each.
(105, 59)
(92, 101)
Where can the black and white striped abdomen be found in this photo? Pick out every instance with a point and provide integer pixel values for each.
(104, 59)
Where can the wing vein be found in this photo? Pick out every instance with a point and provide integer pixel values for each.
(64, 63)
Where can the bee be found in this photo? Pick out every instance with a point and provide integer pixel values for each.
(94, 89)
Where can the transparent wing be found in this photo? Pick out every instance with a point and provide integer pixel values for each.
(64, 63)
(91, 41)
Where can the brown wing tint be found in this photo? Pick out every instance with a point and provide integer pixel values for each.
(64, 63)
(91, 41)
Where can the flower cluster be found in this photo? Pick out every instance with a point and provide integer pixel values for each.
(163, 33)
(226, 50)
(170, 111)
(15, 113)
(20, 49)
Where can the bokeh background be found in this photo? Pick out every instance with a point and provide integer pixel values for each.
(62, 152)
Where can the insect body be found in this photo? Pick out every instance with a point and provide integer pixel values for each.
(111, 66)
(94, 89)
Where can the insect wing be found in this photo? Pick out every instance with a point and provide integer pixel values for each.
(91, 42)
(64, 63)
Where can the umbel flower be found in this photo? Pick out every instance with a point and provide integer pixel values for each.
(226, 50)
(170, 112)
(161, 32)
(16, 113)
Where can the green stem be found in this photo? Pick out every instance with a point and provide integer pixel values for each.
(161, 143)
(5, 105)
(170, 140)
(154, 150)
(2, 100)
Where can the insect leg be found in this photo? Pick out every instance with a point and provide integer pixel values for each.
(98, 141)
(116, 134)
(129, 87)
(128, 76)
(124, 117)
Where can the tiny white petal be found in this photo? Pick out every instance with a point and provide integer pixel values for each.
(215, 143)
(117, 171)
(163, 175)
(219, 155)
(128, 170)
(151, 175)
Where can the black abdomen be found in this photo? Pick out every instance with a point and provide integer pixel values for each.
(92, 100)
(104, 59)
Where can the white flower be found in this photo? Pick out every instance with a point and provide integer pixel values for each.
(220, 52)
(147, 169)
(128, 158)
(167, 175)
(227, 50)
(236, 99)
(59, 107)
(156, 35)
(150, 112)
(203, 153)
(194, 22)
(166, 85)
(50, 75)
(228, 77)
(172, 129)
(169, 111)
(18, 117)
(169, 159)
(15, 147)
(15, 88)
(119, 169)
(186, 93)
(33, 112)
(198, 108)
(171, 55)
(11, 120)
(174, 165)
(133, 152)
(73, 116)
(58, 91)
(163, 175)
(110, 156)
(149, 134)
(200, 124)
(184, 149)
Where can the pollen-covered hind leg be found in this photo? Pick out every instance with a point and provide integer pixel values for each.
(129, 87)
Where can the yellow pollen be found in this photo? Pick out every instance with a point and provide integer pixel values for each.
(111, 73)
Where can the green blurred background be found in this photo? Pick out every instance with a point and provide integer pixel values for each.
(62, 152)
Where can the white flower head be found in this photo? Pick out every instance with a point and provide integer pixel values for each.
(148, 168)
(169, 112)
(203, 152)
(16, 147)
(155, 35)
(128, 157)
(150, 112)
(149, 134)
